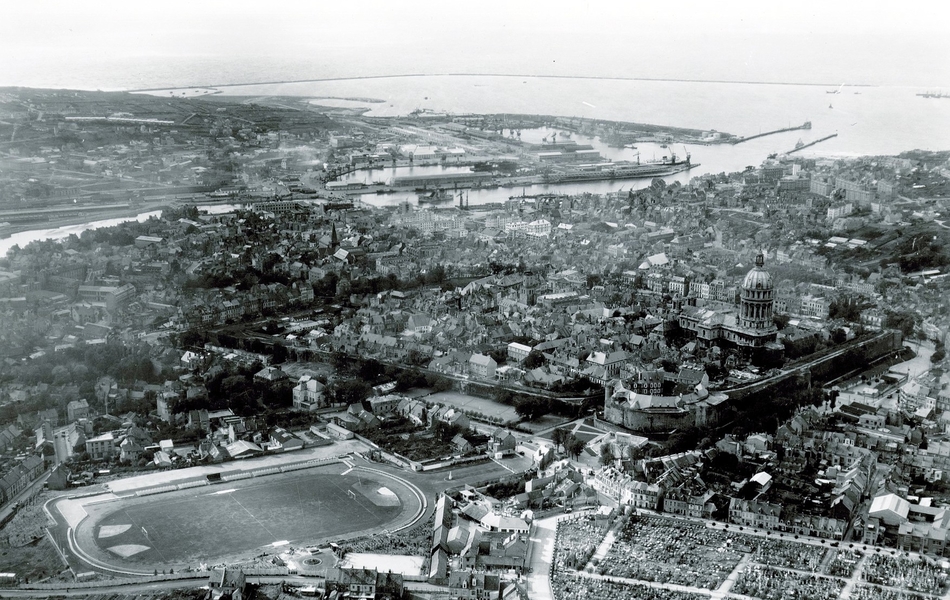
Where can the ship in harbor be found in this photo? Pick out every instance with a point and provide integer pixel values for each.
(434, 196)
(626, 170)
(933, 95)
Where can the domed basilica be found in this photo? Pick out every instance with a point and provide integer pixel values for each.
(752, 326)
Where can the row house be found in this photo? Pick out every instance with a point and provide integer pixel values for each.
(814, 306)
(679, 285)
(751, 513)
(716, 290)
(19, 477)
(681, 502)
(641, 494)
(623, 489)
(381, 405)
(925, 531)
(474, 586)
(414, 410)
(450, 416)
(9, 437)
(815, 526)
(364, 584)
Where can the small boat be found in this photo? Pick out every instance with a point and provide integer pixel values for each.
(830, 106)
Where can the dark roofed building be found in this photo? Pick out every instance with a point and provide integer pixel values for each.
(227, 584)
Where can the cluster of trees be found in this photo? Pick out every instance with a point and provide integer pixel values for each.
(358, 375)
(331, 285)
(940, 352)
(505, 489)
(904, 321)
(765, 411)
(848, 309)
(238, 390)
(534, 407)
(572, 445)
(919, 254)
(276, 350)
(73, 372)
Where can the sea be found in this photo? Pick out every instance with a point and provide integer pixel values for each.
(869, 120)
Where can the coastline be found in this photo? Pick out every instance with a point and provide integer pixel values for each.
(422, 75)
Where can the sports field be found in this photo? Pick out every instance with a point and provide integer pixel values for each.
(485, 406)
(207, 522)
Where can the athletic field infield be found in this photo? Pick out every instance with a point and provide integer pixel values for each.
(200, 524)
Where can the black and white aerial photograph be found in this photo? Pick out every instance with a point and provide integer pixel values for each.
(492, 300)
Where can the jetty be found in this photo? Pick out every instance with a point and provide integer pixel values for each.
(805, 125)
(818, 141)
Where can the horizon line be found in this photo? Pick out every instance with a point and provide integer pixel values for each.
(588, 77)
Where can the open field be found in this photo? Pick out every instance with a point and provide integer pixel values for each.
(485, 406)
(200, 524)
(582, 430)
(33, 561)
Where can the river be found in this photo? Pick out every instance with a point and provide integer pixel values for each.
(23, 238)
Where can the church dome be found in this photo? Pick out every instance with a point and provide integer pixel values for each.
(758, 278)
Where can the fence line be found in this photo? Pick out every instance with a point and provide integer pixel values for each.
(118, 581)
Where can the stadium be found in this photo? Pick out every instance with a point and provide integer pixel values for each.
(239, 520)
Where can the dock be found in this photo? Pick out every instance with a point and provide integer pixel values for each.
(818, 141)
(805, 125)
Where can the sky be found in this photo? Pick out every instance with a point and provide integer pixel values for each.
(120, 45)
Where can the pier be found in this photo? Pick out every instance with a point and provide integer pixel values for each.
(818, 141)
(805, 125)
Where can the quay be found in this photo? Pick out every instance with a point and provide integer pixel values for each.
(818, 141)
(805, 125)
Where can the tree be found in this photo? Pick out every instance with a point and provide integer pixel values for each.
(557, 436)
(438, 383)
(781, 321)
(846, 308)
(279, 353)
(574, 446)
(534, 360)
(498, 355)
(370, 369)
(634, 452)
(503, 396)
(339, 360)
(838, 336)
(531, 407)
(606, 454)
(350, 391)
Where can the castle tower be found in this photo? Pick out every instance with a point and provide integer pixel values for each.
(757, 300)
